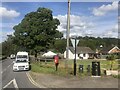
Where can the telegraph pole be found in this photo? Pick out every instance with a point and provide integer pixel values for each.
(67, 35)
(68, 30)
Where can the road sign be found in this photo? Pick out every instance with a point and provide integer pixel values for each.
(73, 42)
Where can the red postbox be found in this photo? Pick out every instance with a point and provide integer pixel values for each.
(56, 60)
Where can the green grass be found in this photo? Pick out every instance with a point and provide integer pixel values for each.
(116, 76)
(49, 67)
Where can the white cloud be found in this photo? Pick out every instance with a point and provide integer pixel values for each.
(3, 35)
(112, 32)
(78, 25)
(6, 29)
(6, 13)
(104, 9)
(116, 27)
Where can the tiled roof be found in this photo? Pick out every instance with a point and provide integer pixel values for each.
(114, 49)
(81, 50)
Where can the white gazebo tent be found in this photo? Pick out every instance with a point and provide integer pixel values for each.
(49, 54)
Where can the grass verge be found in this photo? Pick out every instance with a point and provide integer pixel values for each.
(49, 67)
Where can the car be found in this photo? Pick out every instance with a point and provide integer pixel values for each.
(12, 56)
(21, 65)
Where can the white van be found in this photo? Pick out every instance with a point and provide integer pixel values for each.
(21, 62)
(22, 55)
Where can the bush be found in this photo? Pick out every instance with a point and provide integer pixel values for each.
(118, 57)
(3, 57)
(111, 57)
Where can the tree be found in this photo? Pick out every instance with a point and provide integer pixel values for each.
(8, 47)
(37, 31)
(60, 45)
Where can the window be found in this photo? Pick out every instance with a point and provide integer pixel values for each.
(84, 55)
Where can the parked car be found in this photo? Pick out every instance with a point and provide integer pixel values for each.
(12, 56)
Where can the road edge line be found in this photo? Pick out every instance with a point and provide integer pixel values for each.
(33, 82)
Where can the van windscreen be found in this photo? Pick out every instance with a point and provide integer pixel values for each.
(21, 56)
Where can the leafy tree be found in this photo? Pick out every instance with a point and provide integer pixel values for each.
(60, 45)
(37, 31)
(8, 47)
(94, 43)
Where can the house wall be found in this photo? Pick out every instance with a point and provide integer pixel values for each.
(114, 50)
(86, 56)
(71, 55)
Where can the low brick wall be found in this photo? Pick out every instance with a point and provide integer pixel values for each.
(111, 72)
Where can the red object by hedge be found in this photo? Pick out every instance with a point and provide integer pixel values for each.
(56, 59)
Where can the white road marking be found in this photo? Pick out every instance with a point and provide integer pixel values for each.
(33, 82)
(8, 66)
(14, 83)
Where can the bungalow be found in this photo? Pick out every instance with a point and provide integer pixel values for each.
(113, 50)
(106, 51)
(81, 53)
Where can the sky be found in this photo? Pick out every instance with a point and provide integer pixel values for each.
(96, 19)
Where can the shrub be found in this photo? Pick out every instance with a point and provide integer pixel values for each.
(111, 57)
(118, 57)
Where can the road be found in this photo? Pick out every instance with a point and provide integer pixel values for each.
(12, 79)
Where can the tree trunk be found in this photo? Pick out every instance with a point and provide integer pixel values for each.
(35, 55)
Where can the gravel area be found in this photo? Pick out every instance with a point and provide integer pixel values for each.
(53, 81)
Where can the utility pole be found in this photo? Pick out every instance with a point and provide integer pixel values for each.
(68, 30)
(67, 35)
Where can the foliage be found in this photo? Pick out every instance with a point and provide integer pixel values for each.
(2, 57)
(111, 57)
(116, 76)
(118, 56)
(8, 47)
(37, 31)
(60, 45)
(94, 43)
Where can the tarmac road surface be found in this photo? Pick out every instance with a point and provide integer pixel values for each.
(12, 79)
